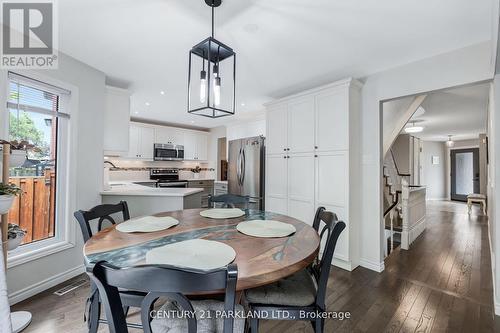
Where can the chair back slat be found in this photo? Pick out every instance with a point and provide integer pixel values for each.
(164, 281)
(102, 213)
(229, 200)
(321, 269)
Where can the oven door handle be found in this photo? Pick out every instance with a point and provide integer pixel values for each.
(172, 184)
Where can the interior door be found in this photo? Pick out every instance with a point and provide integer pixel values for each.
(234, 167)
(464, 173)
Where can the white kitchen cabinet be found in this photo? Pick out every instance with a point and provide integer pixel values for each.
(170, 135)
(141, 141)
(300, 131)
(300, 174)
(276, 128)
(134, 141)
(195, 146)
(202, 146)
(313, 151)
(276, 186)
(116, 122)
(190, 140)
(332, 190)
(332, 116)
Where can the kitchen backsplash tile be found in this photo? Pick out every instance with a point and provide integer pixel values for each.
(130, 170)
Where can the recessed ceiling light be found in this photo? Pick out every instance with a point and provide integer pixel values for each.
(192, 121)
(136, 112)
(242, 104)
(162, 92)
(147, 104)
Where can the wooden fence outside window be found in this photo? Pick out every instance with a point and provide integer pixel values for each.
(34, 209)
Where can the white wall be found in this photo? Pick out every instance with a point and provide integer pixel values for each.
(246, 129)
(493, 197)
(434, 175)
(215, 134)
(471, 64)
(34, 276)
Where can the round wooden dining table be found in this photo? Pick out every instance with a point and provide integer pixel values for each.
(260, 261)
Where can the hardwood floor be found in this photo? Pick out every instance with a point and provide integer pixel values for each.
(442, 284)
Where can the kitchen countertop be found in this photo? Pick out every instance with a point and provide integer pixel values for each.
(129, 188)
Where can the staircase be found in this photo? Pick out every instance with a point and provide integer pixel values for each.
(393, 217)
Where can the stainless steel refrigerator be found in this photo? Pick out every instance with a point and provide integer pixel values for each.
(245, 172)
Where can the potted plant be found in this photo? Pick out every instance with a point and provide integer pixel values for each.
(18, 151)
(196, 172)
(7, 194)
(15, 236)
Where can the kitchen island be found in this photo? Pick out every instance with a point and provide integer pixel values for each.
(144, 200)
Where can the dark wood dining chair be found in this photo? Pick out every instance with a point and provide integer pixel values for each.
(229, 201)
(303, 292)
(101, 214)
(172, 283)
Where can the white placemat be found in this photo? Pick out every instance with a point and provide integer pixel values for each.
(222, 213)
(194, 253)
(266, 228)
(147, 224)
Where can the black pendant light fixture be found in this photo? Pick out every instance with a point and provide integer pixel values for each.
(214, 64)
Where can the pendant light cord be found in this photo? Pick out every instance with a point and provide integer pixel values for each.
(213, 10)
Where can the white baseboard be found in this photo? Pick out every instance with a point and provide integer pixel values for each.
(437, 199)
(347, 265)
(496, 303)
(372, 265)
(38, 287)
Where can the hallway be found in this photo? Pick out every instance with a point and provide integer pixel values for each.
(442, 284)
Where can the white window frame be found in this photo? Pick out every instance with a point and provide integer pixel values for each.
(65, 230)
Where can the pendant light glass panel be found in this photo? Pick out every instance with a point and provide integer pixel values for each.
(211, 94)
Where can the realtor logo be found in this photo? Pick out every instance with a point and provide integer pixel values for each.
(28, 34)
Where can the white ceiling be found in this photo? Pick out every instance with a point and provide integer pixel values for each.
(460, 112)
(283, 46)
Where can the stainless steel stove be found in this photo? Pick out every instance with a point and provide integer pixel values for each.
(168, 177)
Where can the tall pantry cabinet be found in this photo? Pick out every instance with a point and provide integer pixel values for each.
(313, 159)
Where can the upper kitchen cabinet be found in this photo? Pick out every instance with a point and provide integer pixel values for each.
(170, 135)
(332, 116)
(195, 146)
(116, 122)
(141, 141)
(300, 133)
(276, 139)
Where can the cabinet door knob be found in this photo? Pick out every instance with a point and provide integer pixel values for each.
(315, 147)
(315, 155)
(284, 156)
(284, 149)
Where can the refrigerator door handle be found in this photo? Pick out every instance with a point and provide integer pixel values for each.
(243, 166)
(238, 167)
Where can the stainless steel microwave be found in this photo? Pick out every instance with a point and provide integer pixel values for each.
(168, 152)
